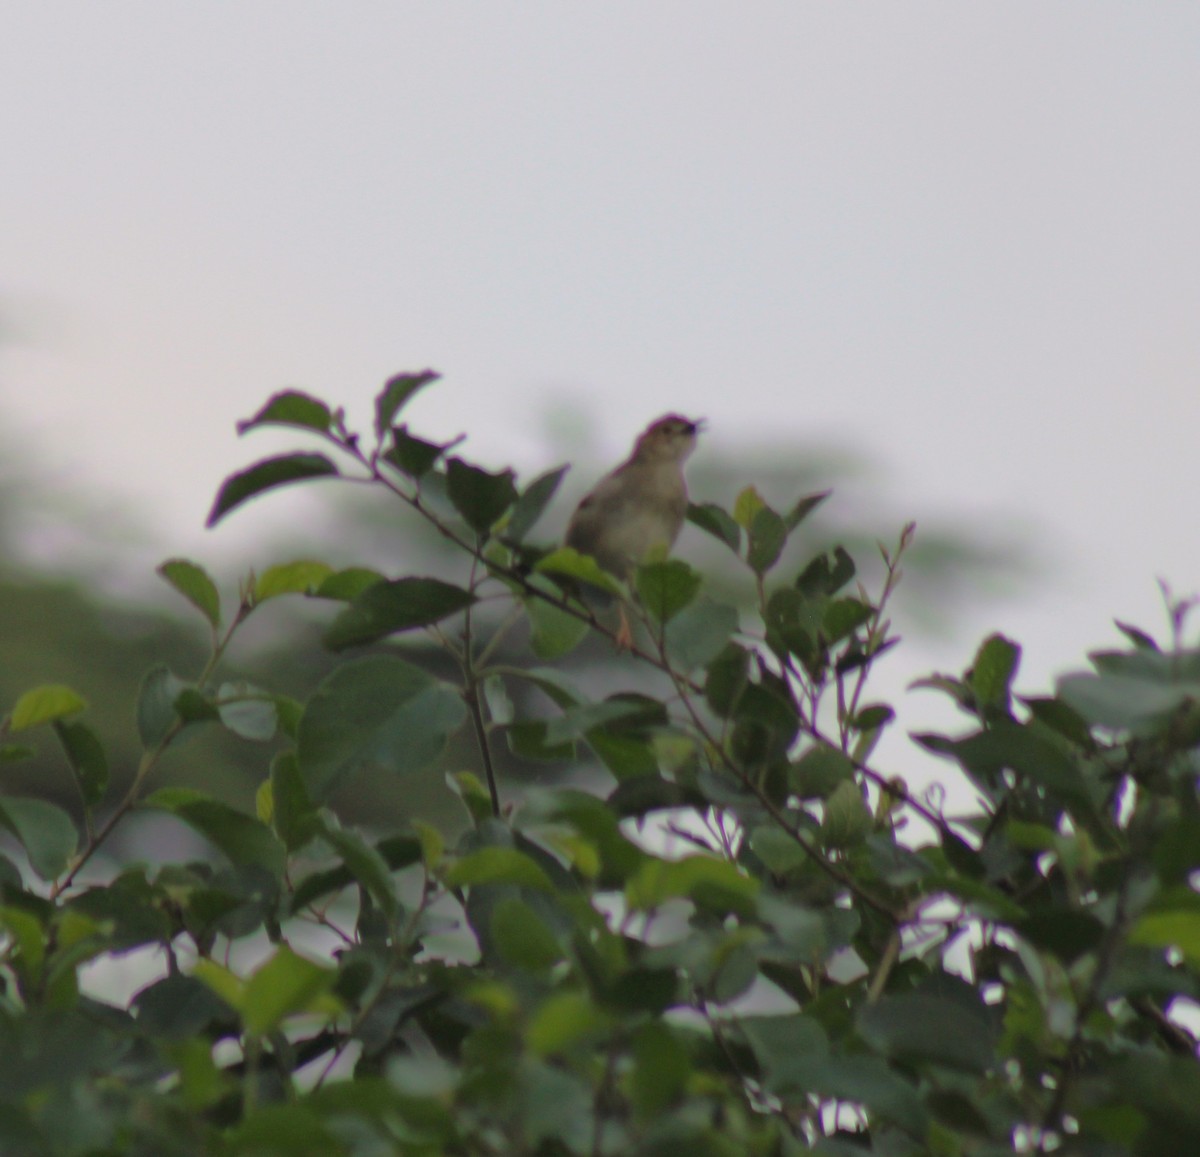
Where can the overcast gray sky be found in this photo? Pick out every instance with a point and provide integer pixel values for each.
(962, 237)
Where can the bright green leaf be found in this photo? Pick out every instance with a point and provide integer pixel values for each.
(666, 588)
(45, 704)
(304, 576)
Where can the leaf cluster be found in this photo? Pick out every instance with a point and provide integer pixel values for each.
(733, 933)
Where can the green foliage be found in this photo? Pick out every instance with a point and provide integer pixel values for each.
(731, 932)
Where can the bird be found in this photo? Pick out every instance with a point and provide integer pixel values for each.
(639, 506)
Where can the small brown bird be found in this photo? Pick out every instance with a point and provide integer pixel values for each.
(639, 506)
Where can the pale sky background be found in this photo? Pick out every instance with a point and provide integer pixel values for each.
(961, 237)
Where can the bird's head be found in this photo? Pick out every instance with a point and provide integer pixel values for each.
(669, 439)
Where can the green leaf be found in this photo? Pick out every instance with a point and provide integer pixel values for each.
(1121, 702)
(266, 475)
(290, 408)
(521, 936)
(728, 676)
(293, 816)
(747, 504)
(244, 839)
(1010, 745)
(714, 520)
(395, 394)
(1173, 928)
(412, 455)
(302, 577)
(939, 1029)
(569, 563)
(193, 582)
(1137, 637)
(665, 588)
(346, 585)
(85, 754)
(768, 534)
(562, 1020)
(43, 830)
(377, 711)
(496, 865)
(699, 633)
(803, 508)
(365, 864)
(247, 711)
(842, 616)
(284, 985)
(993, 671)
(847, 818)
(156, 712)
(553, 632)
(45, 704)
(532, 504)
(481, 498)
(827, 573)
(714, 883)
(388, 608)
(661, 1069)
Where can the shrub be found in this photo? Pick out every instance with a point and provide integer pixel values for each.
(728, 932)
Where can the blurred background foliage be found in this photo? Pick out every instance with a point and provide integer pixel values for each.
(56, 626)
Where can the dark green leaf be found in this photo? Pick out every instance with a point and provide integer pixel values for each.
(481, 498)
(378, 711)
(395, 393)
(842, 616)
(528, 740)
(290, 408)
(387, 608)
(1058, 716)
(365, 864)
(532, 504)
(87, 759)
(412, 455)
(193, 582)
(728, 675)
(1137, 637)
(827, 573)
(993, 671)
(665, 588)
(819, 772)
(1067, 932)
(1121, 702)
(768, 534)
(698, 634)
(44, 831)
(293, 816)
(244, 839)
(713, 519)
(266, 475)
(1009, 745)
(803, 508)
(156, 704)
(941, 1030)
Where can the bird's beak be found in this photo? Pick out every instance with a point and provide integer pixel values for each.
(698, 426)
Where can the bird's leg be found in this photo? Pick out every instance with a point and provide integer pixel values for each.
(624, 638)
